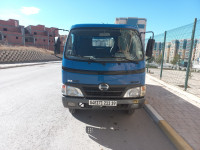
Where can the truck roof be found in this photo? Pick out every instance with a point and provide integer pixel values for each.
(104, 26)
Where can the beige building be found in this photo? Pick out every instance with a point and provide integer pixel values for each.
(139, 23)
(157, 49)
(167, 52)
(196, 56)
(182, 48)
(173, 49)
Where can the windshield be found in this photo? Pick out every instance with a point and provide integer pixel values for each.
(104, 45)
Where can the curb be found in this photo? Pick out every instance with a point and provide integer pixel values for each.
(174, 137)
(29, 64)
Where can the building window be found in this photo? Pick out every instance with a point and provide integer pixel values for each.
(49, 40)
(44, 40)
(29, 39)
(16, 37)
(141, 26)
(35, 39)
(4, 36)
(5, 29)
(35, 33)
(50, 35)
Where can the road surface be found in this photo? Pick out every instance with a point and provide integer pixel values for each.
(32, 118)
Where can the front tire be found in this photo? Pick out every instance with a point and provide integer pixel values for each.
(130, 111)
(72, 111)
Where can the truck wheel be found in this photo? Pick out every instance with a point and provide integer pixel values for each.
(72, 111)
(130, 111)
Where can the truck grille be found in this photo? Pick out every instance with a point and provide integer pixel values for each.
(112, 92)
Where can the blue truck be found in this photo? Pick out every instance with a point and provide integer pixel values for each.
(103, 67)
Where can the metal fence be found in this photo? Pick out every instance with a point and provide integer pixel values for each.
(176, 58)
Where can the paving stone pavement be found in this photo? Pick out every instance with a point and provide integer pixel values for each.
(177, 109)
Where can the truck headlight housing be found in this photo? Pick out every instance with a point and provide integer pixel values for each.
(135, 92)
(71, 91)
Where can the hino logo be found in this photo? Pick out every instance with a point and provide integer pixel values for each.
(103, 87)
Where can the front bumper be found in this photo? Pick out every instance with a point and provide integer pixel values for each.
(122, 104)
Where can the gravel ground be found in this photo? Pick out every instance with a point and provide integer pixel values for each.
(177, 78)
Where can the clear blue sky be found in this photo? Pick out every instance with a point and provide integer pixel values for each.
(161, 15)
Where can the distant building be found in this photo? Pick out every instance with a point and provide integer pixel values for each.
(173, 50)
(139, 23)
(157, 49)
(12, 33)
(167, 52)
(182, 48)
(197, 52)
(178, 47)
(40, 36)
(187, 50)
(63, 39)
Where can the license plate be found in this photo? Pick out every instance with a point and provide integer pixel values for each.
(102, 103)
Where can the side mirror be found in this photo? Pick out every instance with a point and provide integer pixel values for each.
(149, 48)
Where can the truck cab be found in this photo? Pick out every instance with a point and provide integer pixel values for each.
(103, 67)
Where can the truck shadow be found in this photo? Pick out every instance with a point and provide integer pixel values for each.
(118, 130)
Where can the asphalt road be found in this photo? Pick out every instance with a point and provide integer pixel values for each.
(32, 117)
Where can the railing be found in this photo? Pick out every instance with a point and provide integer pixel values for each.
(176, 58)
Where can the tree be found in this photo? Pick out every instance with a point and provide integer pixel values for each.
(176, 59)
(151, 59)
(159, 59)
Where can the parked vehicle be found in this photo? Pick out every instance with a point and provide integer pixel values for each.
(103, 67)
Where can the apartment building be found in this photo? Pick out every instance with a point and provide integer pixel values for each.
(173, 49)
(40, 36)
(139, 23)
(12, 33)
(167, 52)
(157, 49)
(182, 48)
(178, 47)
(196, 57)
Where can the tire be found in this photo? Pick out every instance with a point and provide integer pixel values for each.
(72, 111)
(130, 111)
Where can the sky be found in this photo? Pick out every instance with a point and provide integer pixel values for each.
(161, 15)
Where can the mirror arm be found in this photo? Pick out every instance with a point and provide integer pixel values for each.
(148, 32)
(148, 58)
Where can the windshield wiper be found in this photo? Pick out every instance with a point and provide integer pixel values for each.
(129, 60)
(89, 58)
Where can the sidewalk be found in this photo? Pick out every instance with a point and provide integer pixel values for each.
(179, 108)
(5, 66)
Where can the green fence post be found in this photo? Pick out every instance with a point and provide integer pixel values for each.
(163, 52)
(190, 54)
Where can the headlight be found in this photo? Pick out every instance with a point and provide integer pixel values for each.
(71, 91)
(136, 92)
